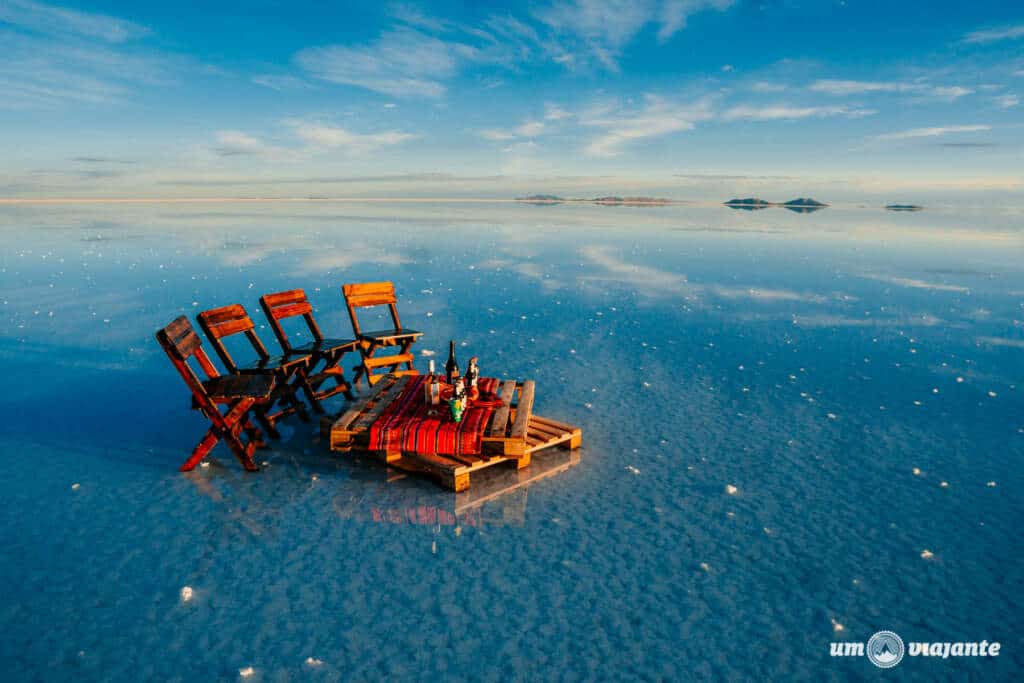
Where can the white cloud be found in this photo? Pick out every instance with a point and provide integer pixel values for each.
(931, 132)
(236, 143)
(1002, 341)
(916, 284)
(842, 88)
(1006, 101)
(658, 117)
(497, 134)
(995, 34)
(51, 57)
(43, 18)
(310, 138)
(319, 135)
(600, 29)
(952, 92)
(528, 129)
(553, 112)
(402, 62)
(782, 112)
(280, 82)
(766, 86)
(674, 14)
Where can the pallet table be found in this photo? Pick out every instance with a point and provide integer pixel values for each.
(513, 433)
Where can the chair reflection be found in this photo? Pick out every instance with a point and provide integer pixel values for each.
(370, 494)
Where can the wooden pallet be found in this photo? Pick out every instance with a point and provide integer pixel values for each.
(513, 434)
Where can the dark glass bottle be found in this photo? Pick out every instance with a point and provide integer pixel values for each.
(451, 368)
(472, 373)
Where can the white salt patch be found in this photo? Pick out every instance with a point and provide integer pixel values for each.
(186, 593)
(430, 314)
(315, 477)
(944, 484)
(433, 547)
(991, 484)
(959, 380)
(731, 490)
(428, 353)
(204, 464)
(831, 416)
(313, 661)
(705, 567)
(631, 469)
(916, 471)
(246, 672)
(992, 394)
(837, 627)
(927, 554)
(75, 486)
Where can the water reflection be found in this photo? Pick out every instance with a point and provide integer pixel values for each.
(367, 491)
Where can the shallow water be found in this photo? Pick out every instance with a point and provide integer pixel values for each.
(810, 361)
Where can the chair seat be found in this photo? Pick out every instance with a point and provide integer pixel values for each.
(379, 335)
(274, 364)
(325, 347)
(227, 387)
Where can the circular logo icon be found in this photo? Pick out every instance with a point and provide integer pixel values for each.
(885, 649)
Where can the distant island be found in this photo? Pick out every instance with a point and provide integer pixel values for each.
(904, 207)
(800, 205)
(748, 204)
(542, 198)
(611, 200)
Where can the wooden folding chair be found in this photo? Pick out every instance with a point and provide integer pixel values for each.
(288, 371)
(329, 352)
(379, 294)
(239, 393)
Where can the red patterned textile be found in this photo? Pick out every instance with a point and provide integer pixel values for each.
(411, 424)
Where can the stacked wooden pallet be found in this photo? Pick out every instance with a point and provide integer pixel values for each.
(513, 434)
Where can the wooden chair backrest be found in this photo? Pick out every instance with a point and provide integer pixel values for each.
(282, 305)
(366, 294)
(180, 341)
(226, 321)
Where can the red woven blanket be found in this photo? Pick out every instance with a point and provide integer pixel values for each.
(411, 424)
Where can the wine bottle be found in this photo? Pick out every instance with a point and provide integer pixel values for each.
(433, 387)
(472, 373)
(451, 368)
(428, 382)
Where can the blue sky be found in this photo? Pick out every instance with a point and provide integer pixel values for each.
(691, 99)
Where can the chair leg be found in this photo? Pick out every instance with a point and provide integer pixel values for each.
(333, 369)
(366, 350)
(406, 345)
(310, 391)
(201, 450)
(263, 417)
(242, 451)
(254, 433)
